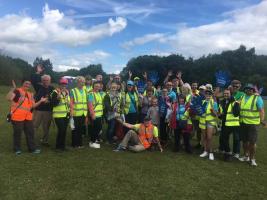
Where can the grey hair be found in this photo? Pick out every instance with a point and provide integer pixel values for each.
(46, 76)
(80, 78)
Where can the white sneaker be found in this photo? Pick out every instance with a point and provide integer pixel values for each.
(211, 156)
(94, 145)
(253, 163)
(204, 154)
(236, 155)
(244, 159)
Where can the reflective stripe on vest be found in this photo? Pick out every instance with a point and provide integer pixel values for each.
(62, 109)
(98, 104)
(23, 112)
(207, 117)
(80, 103)
(231, 120)
(88, 89)
(145, 135)
(188, 98)
(128, 102)
(249, 113)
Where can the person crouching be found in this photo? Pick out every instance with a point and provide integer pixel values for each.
(140, 136)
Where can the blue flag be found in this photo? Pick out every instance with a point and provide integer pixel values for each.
(222, 78)
(196, 106)
(141, 87)
(153, 76)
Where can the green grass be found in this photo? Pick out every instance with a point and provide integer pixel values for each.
(103, 174)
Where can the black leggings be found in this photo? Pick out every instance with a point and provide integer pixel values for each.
(96, 128)
(62, 125)
(177, 139)
(79, 123)
(163, 130)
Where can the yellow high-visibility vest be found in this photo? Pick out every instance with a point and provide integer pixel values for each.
(80, 103)
(249, 113)
(231, 120)
(128, 102)
(63, 108)
(207, 117)
(97, 104)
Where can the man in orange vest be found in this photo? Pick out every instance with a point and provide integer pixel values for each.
(140, 136)
(22, 104)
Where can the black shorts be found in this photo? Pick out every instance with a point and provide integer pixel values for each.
(249, 133)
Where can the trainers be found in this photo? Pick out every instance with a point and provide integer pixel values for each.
(236, 155)
(36, 151)
(253, 163)
(244, 159)
(204, 154)
(120, 148)
(211, 156)
(94, 145)
(18, 152)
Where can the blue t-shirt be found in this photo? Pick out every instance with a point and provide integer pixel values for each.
(162, 106)
(180, 112)
(90, 97)
(132, 103)
(259, 103)
(172, 96)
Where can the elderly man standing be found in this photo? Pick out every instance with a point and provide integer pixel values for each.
(43, 112)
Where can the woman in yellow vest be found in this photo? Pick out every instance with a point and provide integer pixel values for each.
(60, 101)
(78, 110)
(131, 104)
(95, 105)
(207, 124)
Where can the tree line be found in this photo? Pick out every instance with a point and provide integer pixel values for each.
(242, 64)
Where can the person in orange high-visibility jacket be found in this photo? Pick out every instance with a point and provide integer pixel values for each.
(140, 136)
(22, 104)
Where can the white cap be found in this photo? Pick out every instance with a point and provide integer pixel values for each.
(203, 87)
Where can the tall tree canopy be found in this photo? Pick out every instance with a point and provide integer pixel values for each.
(242, 64)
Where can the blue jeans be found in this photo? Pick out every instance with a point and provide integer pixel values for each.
(111, 130)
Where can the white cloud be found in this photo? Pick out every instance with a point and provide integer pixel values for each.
(159, 37)
(135, 11)
(77, 61)
(244, 26)
(26, 37)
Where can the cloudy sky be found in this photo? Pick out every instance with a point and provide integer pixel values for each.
(76, 33)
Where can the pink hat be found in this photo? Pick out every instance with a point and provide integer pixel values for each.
(63, 81)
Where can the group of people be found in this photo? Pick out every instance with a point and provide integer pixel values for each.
(138, 120)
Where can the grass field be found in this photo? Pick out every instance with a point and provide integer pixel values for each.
(103, 174)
